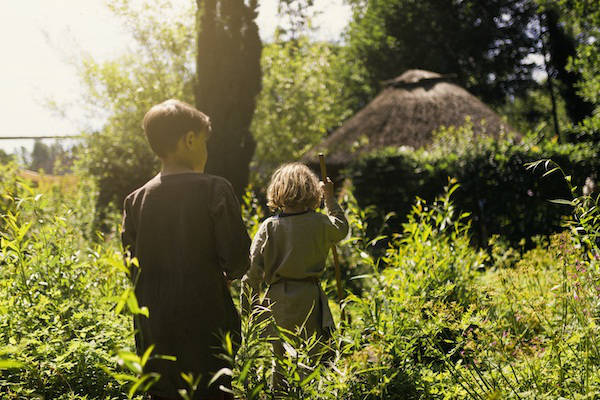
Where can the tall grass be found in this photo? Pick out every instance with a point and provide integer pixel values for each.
(429, 316)
(58, 287)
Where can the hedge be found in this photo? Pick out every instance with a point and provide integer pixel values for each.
(502, 195)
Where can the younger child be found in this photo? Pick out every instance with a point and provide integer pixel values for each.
(289, 250)
(185, 228)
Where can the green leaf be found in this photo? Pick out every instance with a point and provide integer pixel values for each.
(244, 372)
(122, 301)
(188, 378)
(228, 344)
(122, 378)
(550, 171)
(118, 264)
(220, 373)
(146, 355)
(134, 307)
(562, 201)
(363, 276)
(146, 380)
(312, 376)
(10, 364)
(254, 394)
(166, 357)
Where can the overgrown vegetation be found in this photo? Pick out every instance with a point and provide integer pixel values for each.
(502, 196)
(299, 102)
(444, 299)
(430, 316)
(309, 87)
(59, 286)
(159, 66)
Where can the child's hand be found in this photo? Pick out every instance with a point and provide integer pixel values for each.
(327, 189)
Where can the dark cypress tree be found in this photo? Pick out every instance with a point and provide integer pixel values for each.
(229, 78)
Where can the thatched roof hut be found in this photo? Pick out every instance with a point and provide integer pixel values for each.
(405, 113)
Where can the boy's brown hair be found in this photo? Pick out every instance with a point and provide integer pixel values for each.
(167, 122)
(293, 185)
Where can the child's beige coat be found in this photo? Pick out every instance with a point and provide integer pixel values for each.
(289, 253)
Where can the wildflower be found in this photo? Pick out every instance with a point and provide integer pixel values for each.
(505, 333)
(575, 296)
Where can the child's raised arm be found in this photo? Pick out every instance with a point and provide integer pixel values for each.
(339, 224)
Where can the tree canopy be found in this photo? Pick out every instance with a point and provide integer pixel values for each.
(210, 54)
(156, 68)
(484, 42)
(583, 18)
(300, 102)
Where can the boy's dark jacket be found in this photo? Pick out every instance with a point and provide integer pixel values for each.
(186, 231)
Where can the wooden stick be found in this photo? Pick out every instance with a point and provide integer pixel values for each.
(336, 263)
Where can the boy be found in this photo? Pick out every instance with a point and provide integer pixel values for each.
(187, 233)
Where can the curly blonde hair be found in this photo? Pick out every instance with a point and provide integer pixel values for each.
(293, 185)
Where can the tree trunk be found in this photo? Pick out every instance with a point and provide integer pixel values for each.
(228, 81)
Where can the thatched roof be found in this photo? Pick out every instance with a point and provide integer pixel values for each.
(405, 113)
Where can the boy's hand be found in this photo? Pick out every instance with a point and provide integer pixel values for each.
(327, 189)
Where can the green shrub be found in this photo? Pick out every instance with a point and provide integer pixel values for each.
(502, 196)
(119, 92)
(428, 317)
(419, 300)
(57, 288)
